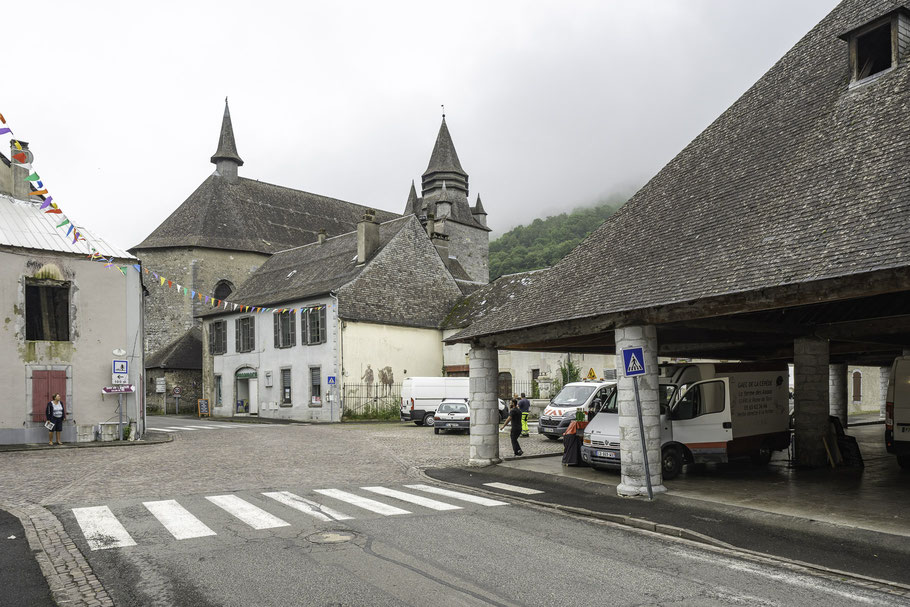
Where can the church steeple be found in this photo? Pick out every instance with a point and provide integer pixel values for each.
(445, 167)
(413, 205)
(226, 158)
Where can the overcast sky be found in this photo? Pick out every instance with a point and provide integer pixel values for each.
(551, 105)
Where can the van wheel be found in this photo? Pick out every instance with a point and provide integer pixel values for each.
(904, 461)
(670, 463)
(435, 430)
(762, 456)
(428, 420)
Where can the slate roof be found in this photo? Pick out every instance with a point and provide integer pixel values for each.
(444, 158)
(251, 215)
(803, 178)
(227, 149)
(490, 298)
(404, 283)
(185, 352)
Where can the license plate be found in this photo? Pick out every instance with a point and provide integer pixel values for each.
(608, 454)
(549, 429)
(451, 425)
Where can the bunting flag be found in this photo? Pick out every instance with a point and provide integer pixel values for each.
(63, 223)
(33, 177)
(5, 130)
(20, 157)
(138, 268)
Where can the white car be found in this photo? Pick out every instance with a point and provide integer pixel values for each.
(452, 415)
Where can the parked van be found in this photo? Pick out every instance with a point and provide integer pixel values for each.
(556, 417)
(708, 413)
(421, 396)
(897, 411)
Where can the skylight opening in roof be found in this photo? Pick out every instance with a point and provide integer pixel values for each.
(873, 51)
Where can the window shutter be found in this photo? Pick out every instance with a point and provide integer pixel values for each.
(222, 337)
(309, 326)
(322, 331)
(251, 344)
(277, 324)
(237, 341)
(40, 396)
(212, 327)
(292, 331)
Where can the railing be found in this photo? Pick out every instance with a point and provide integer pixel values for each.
(371, 401)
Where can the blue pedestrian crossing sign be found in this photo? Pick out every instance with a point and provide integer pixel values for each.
(331, 379)
(633, 361)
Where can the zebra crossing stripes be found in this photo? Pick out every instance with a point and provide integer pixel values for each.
(177, 519)
(323, 513)
(411, 498)
(362, 502)
(101, 528)
(255, 517)
(513, 488)
(458, 495)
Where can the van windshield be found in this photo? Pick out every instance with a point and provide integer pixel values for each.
(573, 396)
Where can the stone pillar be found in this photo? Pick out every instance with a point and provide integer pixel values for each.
(484, 388)
(884, 377)
(633, 481)
(837, 389)
(810, 386)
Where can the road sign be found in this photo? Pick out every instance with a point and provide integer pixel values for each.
(633, 361)
(331, 379)
(121, 366)
(178, 390)
(591, 374)
(160, 386)
(128, 389)
(119, 379)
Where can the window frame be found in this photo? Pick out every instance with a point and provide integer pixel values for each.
(218, 390)
(699, 409)
(287, 391)
(285, 329)
(242, 336)
(307, 326)
(33, 333)
(892, 24)
(218, 337)
(317, 392)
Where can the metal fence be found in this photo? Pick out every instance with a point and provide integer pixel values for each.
(371, 401)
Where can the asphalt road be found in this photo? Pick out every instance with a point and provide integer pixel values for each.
(247, 548)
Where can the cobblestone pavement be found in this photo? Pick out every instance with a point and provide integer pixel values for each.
(214, 460)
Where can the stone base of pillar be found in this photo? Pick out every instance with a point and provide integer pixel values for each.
(481, 463)
(636, 491)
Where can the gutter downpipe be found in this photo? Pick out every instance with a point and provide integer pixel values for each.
(336, 329)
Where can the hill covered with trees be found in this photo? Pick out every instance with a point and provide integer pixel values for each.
(546, 241)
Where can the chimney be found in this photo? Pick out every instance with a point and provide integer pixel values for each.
(320, 238)
(441, 242)
(367, 236)
(19, 188)
(431, 225)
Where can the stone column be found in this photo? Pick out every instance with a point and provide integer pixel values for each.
(837, 389)
(884, 377)
(633, 481)
(484, 384)
(810, 370)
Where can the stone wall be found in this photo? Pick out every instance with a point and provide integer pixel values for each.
(189, 382)
(471, 246)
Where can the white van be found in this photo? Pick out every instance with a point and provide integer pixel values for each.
(897, 411)
(560, 412)
(708, 413)
(420, 397)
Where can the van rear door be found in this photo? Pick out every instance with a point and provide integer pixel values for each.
(700, 419)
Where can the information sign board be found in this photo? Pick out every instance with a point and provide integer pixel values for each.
(202, 408)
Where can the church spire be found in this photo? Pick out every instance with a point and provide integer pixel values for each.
(226, 158)
(444, 166)
(413, 205)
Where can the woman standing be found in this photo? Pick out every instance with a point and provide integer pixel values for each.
(55, 413)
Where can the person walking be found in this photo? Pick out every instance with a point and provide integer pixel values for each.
(524, 405)
(55, 413)
(514, 419)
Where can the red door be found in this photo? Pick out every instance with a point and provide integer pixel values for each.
(44, 385)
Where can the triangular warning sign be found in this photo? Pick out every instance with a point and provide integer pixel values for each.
(591, 374)
(634, 365)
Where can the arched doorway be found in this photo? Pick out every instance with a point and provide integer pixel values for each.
(505, 385)
(246, 389)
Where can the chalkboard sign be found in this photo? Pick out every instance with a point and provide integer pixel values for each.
(202, 407)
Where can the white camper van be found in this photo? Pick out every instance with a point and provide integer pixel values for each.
(709, 413)
(420, 397)
(897, 411)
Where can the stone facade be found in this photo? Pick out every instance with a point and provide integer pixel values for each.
(811, 404)
(471, 247)
(190, 382)
(837, 388)
(633, 478)
(484, 374)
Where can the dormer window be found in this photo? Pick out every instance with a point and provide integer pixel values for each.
(878, 45)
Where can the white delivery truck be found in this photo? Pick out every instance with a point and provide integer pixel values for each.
(709, 413)
(421, 396)
(897, 411)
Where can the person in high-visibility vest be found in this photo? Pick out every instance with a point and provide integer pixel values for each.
(524, 405)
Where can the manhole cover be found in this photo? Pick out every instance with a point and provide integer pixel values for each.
(330, 537)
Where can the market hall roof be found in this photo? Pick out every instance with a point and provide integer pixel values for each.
(250, 215)
(802, 179)
(403, 282)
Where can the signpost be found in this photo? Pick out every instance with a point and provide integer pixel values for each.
(633, 360)
(119, 390)
(177, 392)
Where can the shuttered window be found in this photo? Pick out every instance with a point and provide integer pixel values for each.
(44, 385)
(314, 330)
(285, 325)
(245, 334)
(286, 386)
(315, 385)
(218, 337)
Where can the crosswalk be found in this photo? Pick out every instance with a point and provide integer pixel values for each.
(199, 427)
(103, 530)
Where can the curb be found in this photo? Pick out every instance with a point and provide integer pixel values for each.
(894, 588)
(91, 445)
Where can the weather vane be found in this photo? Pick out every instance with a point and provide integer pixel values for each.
(443, 110)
